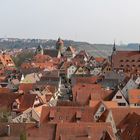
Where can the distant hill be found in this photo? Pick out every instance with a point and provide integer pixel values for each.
(133, 46)
(93, 49)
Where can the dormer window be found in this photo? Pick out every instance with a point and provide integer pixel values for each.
(15, 106)
(52, 115)
(127, 65)
(78, 115)
(121, 65)
(133, 65)
(102, 109)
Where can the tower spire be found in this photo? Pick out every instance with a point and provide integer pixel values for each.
(114, 46)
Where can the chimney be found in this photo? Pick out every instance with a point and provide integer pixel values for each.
(89, 132)
(38, 124)
(8, 130)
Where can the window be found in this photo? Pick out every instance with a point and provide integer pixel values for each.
(102, 109)
(121, 65)
(118, 97)
(127, 60)
(60, 117)
(133, 65)
(122, 104)
(121, 60)
(127, 65)
(133, 60)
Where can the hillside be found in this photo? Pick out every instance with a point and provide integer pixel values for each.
(93, 49)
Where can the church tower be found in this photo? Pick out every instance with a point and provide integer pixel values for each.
(114, 48)
(60, 45)
(113, 53)
(39, 50)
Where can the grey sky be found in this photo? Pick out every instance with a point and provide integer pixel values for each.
(96, 21)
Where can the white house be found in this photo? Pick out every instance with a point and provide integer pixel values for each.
(71, 70)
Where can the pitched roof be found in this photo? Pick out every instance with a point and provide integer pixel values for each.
(127, 53)
(26, 101)
(108, 104)
(51, 52)
(95, 92)
(6, 99)
(134, 96)
(83, 131)
(100, 59)
(68, 114)
(118, 116)
(71, 49)
(130, 126)
(26, 87)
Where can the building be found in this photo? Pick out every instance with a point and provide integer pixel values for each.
(128, 61)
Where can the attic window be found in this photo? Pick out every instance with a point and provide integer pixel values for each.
(118, 97)
(102, 109)
(121, 65)
(52, 115)
(78, 115)
(122, 104)
(127, 65)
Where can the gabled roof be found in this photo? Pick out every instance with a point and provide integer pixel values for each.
(71, 49)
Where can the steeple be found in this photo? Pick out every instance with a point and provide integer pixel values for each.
(114, 46)
(113, 52)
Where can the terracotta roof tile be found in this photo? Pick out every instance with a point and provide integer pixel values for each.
(134, 96)
(83, 131)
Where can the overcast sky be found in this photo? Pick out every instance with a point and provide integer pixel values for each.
(95, 21)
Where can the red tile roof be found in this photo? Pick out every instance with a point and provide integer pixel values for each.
(95, 92)
(118, 116)
(83, 131)
(130, 127)
(134, 96)
(68, 114)
(6, 100)
(26, 87)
